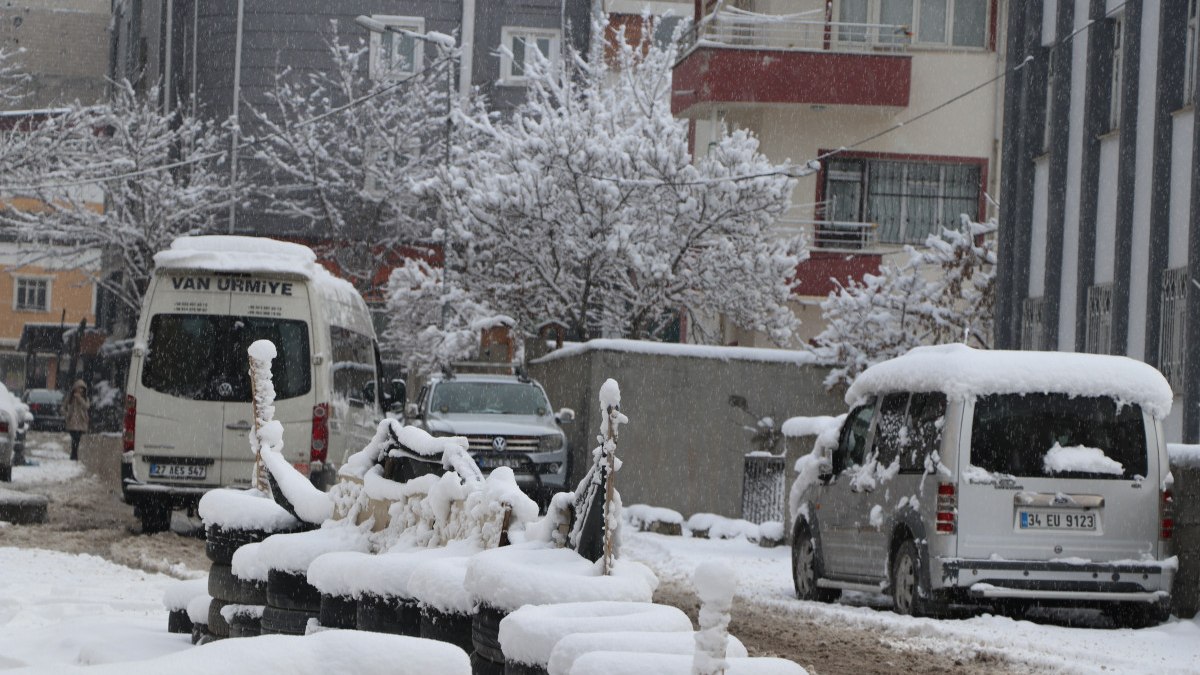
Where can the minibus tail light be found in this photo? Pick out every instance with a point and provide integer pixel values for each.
(130, 424)
(947, 509)
(320, 432)
(1166, 512)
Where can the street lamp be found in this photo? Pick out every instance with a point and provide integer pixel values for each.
(447, 49)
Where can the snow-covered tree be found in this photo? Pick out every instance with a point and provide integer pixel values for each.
(349, 171)
(586, 207)
(158, 177)
(943, 293)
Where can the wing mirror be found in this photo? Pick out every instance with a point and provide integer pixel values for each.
(564, 416)
(411, 411)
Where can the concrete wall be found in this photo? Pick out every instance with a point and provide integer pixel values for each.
(684, 445)
(66, 48)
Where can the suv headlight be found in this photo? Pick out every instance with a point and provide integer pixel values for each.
(552, 442)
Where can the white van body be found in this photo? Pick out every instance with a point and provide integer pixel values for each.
(1007, 478)
(188, 410)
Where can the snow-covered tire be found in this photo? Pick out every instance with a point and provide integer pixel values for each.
(444, 627)
(482, 666)
(216, 623)
(223, 585)
(380, 614)
(221, 543)
(807, 568)
(277, 621)
(178, 621)
(5, 473)
(201, 634)
(244, 626)
(338, 611)
(291, 590)
(485, 634)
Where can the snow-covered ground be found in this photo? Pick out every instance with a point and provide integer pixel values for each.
(764, 580)
(47, 461)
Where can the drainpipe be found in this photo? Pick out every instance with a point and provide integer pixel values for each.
(237, 95)
(466, 57)
(167, 75)
(195, 27)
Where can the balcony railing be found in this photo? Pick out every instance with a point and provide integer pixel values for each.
(795, 32)
(830, 235)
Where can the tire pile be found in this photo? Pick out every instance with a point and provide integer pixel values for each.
(253, 614)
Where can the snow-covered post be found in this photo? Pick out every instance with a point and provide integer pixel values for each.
(714, 582)
(610, 406)
(262, 353)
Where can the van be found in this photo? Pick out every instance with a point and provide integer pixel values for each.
(1010, 479)
(188, 411)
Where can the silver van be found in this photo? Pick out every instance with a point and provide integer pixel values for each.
(1005, 478)
(188, 408)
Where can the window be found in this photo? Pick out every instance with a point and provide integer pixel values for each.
(1033, 324)
(956, 23)
(32, 295)
(203, 357)
(926, 417)
(890, 433)
(396, 54)
(1173, 325)
(1189, 68)
(1099, 319)
(353, 367)
(852, 447)
(489, 398)
(1117, 26)
(520, 43)
(908, 200)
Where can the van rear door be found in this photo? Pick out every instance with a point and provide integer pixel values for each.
(1049, 476)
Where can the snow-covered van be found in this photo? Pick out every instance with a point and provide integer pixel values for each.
(188, 398)
(1004, 478)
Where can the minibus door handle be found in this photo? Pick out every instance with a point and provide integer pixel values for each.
(241, 425)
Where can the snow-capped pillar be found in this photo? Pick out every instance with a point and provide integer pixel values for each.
(714, 582)
(261, 353)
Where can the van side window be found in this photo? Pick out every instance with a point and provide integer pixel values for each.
(926, 417)
(891, 435)
(353, 367)
(852, 447)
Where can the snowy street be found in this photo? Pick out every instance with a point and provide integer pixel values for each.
(97, 600)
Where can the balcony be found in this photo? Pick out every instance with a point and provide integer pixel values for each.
(739, 57)
(838, 252)
(830, 235)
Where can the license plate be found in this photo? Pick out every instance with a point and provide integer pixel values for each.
(495, 462)
(184, 471)
(1056, 520)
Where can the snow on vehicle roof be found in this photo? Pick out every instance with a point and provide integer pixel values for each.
(960, 371)
(694, 351)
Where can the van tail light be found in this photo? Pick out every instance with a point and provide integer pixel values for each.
(3, 426)
(947, 509)
(320, 433)
(130, 428)
(1166, 511)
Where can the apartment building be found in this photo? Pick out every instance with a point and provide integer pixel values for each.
(1100, 234)
(894, 99)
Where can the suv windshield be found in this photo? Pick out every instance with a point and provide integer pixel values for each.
(498, 398)
(1013, 434)
(203, 357)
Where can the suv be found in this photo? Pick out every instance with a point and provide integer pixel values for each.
(1003, 478)
(46, 406)
(507, 421)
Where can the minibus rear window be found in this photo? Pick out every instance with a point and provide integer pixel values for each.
(1012, 434)
(202, 357)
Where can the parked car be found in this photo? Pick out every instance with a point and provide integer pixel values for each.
(507, 420)
(46, 406)
(1002, 478)
(13, 421)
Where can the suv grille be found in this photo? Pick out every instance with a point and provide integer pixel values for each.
(511, 443)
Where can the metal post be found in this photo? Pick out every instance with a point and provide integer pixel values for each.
(237, 95)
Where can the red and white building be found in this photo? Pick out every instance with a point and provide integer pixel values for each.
(844, 82)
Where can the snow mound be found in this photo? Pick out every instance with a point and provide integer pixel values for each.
(719, 527)
(244, 510)
(439, 584)
(1079, 458)
(197, 608)
(642, 514)
(635, 663)
(529, 634)
(179, 594)
(295, 551)
(1184, 456)
(798, 427)
(354, 574)
(532, 574)
(571, 647)
(247, 565)
(960, 371)
(333, 651)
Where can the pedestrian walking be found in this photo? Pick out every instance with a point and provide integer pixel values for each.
(75, 410)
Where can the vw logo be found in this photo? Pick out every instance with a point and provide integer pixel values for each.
(498, 443)
(225, 389)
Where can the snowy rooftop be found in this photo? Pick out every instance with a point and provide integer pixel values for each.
(224, 253)
(961, 371)
(694, 351)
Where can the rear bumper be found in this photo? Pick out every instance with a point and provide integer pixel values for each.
(136, 492)
(1059, 581)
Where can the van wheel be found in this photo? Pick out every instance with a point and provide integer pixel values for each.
(155, 518)
(806, 570)
(906, 582)
(1138, 614)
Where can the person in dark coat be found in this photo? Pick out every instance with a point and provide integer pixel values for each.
(75, 410)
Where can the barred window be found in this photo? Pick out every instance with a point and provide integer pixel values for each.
(1099, 319)
(1173, 325)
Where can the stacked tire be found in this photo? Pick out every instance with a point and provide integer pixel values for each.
(227, 589)
(487, 658)
(290, 603)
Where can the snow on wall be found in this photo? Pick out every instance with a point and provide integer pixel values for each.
(693, 351)
(960, 371)
(1181, 188)
(1139, 281)
(1106, 211)
(1184, 455)
(1037, 244)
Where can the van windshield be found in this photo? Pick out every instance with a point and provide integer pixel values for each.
(1056, 435)
(497, 398)
(203, 357)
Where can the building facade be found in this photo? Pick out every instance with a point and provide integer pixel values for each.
(63, 46)
(1100, 234)
(896, 101)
